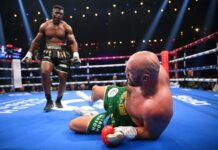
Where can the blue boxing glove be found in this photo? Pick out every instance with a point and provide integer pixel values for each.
(120, 134)
(75, 61)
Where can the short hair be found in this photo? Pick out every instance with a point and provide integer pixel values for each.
(58, 7)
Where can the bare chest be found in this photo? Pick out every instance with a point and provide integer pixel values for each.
(52, 31)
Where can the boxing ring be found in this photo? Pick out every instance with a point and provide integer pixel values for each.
(24, 124)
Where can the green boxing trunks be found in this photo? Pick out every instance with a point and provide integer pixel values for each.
(116, 114)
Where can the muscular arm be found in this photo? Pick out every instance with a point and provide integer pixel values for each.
(142, 133)
(156, 118)
(71, 41)
(36, 41)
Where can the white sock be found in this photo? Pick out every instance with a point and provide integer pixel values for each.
(84, 96)
(84, 112)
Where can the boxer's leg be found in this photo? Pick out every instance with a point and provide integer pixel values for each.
(46, 69)
(80, 124)
(89, 124)
(62, 86)
(98, 92)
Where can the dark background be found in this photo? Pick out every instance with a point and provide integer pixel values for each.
(96, 32)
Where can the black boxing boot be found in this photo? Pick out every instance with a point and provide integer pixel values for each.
(49, 104)
(58, 102)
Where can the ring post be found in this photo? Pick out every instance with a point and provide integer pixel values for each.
(165, 60)
(16, 73)
(88, 72)
(217, 58)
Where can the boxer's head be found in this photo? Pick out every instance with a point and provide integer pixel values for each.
(141, 68)
(57, 13)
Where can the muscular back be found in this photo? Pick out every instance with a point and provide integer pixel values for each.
(154, 112)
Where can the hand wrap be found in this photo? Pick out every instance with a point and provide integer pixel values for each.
(75, 61)
(28, 57)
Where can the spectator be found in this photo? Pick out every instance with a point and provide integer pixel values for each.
(114, 78)
(215, 87)
(192, 84)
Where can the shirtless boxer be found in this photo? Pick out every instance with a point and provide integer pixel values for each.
(141, 110)
(61, 49)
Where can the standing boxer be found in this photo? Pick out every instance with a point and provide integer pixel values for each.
(61, 49)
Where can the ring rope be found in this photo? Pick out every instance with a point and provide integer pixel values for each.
(99, 75)
(30, 69)
(5, 78)
(107, 81)
(101, 66)
(6, 86)
(80, 82)
(195, 55)
(105, 58)
(9, 69)
(196, 68)
(195, 79)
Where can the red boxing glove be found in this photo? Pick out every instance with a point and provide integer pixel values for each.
(114, 136)
(104, 132)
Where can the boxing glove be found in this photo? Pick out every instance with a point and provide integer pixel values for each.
(75, 61)
(118, 135)
(28, 57)
(105, 132)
